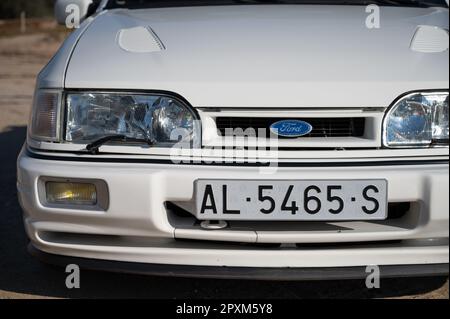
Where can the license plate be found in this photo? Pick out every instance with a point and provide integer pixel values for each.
(325, 200)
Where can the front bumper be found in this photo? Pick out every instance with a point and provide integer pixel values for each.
(259, 273)
(139, 227)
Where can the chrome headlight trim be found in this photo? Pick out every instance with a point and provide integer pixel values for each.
(393, 107)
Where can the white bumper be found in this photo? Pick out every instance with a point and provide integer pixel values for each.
(138, 227)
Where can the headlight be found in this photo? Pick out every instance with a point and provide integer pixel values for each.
(44, 122)
(162, 119)
(418, 119)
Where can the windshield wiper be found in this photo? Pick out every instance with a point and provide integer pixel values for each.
(94, 146)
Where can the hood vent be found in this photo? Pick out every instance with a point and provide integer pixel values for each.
(140, 40)
(429, 39)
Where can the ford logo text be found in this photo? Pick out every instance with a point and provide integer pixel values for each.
(291, 128)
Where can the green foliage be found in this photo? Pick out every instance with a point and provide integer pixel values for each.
(10, 9)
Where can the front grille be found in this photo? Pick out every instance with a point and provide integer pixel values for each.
(322, 127)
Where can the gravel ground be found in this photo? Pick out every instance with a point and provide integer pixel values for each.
(21, 276)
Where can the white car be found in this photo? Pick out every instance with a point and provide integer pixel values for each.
(243, 139)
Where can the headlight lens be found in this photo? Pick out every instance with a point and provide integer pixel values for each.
(418, 119)
(161, 119)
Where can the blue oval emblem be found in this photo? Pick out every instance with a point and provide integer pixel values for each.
(291, 128)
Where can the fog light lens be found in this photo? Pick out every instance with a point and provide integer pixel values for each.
(71, 193)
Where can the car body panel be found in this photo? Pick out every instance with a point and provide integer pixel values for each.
(139, 228)
(273, 61)
(265, 56)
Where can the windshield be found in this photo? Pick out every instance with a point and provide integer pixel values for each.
(137, 4)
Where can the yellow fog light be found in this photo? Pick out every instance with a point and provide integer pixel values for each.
(71, 193)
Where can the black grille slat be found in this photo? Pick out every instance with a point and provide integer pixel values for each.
(322, 127)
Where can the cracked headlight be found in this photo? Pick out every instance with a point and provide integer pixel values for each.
(161, 119)
(418, 120)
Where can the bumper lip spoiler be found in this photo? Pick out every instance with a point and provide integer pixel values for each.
(245, 273)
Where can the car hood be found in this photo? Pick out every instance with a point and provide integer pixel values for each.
(261, 56)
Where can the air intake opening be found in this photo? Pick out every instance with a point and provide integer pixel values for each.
(180, 216)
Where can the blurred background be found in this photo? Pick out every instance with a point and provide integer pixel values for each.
(26, 16)
(29, 36)
(11, 9)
